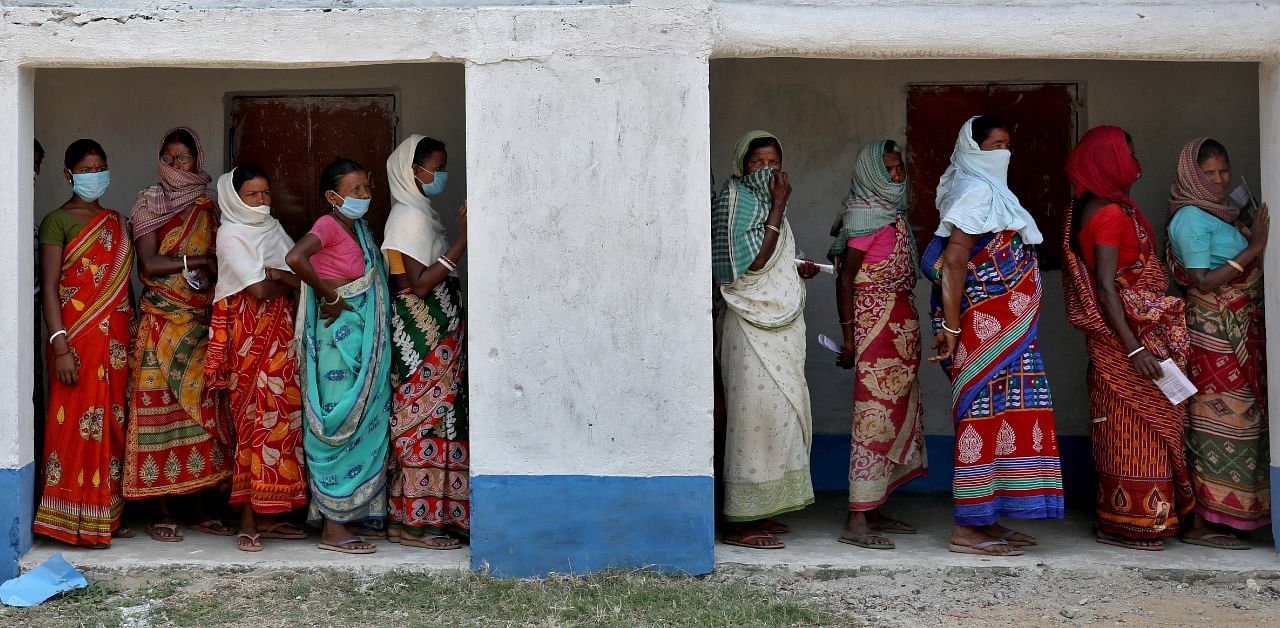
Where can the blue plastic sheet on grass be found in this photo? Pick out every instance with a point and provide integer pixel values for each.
(52, 577)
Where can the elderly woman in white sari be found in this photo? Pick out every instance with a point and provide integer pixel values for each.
(762, 347)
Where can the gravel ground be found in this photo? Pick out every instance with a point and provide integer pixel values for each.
(991, 597)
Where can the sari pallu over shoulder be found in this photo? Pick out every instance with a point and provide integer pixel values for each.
(344, 369)
(82, 456)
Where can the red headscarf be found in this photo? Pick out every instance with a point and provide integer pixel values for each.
(1103, 164)
(1193, 187)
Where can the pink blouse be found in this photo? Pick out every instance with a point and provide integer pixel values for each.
(878, 245)
(340, 257)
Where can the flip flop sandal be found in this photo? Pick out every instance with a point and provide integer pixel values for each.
(254, 544)
(426, 544)
(124, 533)
(981, 548)
(212, 527)
(344, 546)
(893, 526)
(373, 534)
(1118, 541)
(745, 541)
(1205, 541)
(865, 541)
(174, 535)
(774, 527)
(273, 531)
(1009, 534)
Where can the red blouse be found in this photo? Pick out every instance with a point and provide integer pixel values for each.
(1111, 226)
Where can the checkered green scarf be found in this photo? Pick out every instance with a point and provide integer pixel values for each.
(738, 216)
(874, 200)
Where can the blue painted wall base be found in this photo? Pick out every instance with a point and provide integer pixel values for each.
(1275, 508)
(16, 510)
(830, 465)
(532, 525)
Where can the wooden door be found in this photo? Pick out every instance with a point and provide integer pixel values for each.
(295, 137)
(1042, 118)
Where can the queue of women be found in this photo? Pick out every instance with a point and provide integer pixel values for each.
(1196, 470)
(327, 374)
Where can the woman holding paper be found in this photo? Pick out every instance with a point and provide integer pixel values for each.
(876, 254)
(986, 314)
(1218, 260)
(762, 347)
(1115, 289)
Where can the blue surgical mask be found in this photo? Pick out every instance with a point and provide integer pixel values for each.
(90, 186)
(354, 208)
(437, 184)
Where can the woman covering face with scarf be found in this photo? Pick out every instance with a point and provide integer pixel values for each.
(1218, 260)
(875, 252)
(986, 313)
(1115, 288)
(179, 439)
(251, 357)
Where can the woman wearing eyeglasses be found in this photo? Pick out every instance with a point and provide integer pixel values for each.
(179, 439)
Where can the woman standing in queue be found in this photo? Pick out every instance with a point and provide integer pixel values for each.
(875, 253)
(343, 335)
(762, 347)
(179, 435)
(430, 488)
(986, 303)
(1115, 293)
(86, 258)
(251, 356)
(1218, 260)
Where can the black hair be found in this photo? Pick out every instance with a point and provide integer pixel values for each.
(39, 150)
(245, 173)
(426, 147)
(1210, 149)
(181, 136)
(891, 146)
(984, 125)
(757, 144)
(332, 174)
(80, 149)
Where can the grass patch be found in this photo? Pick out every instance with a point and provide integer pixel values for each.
(263, 599)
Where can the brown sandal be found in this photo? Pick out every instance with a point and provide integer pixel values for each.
(174, 535)
(745, 540)
(446, 542)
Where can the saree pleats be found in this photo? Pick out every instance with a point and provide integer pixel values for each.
(430, 486)
(1006, 457)
(251, 357)
(85, 425)
(179, 435)
(345, 368)
(1227, 438)
(888, 436)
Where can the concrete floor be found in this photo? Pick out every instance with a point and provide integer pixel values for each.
(811, 547)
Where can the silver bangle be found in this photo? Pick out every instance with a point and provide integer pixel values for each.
(1136, 352)
(54, 335)
(953, 332)
(334, 302)
(447, 263)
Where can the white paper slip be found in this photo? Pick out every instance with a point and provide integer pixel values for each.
(826, 268)
(827, 342)
(1174, 384)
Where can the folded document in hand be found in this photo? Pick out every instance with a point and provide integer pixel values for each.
(1174, 384)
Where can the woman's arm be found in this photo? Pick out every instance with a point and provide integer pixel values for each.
(1206, 280)
(779, 192)
(955, 263)
(299, 259)
(65, 366)
(152, 264)
(845, 293)
(423, 279)
(1107, 257)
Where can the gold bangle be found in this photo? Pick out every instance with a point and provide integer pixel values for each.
(1236, 265)
(775, 229)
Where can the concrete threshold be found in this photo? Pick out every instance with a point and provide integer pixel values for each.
(812, 551)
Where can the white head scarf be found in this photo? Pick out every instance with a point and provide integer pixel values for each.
(250, 240)
(413, 228)
(974, 194)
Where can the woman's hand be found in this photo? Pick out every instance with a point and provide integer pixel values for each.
(945, 344)
(67, 368)
(1147, 365)
(780, 190)
(330, 312)
(462, 219)
(848, 357)
(1261, 229)
(807, 269)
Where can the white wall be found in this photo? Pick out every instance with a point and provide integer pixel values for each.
(128, 110)
(824, 110)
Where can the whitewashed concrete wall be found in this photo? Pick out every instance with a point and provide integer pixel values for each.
(824, 110)
(123, 110)
(16, 267)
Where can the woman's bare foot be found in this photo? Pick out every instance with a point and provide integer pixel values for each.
(337, 535)
(997, 531)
